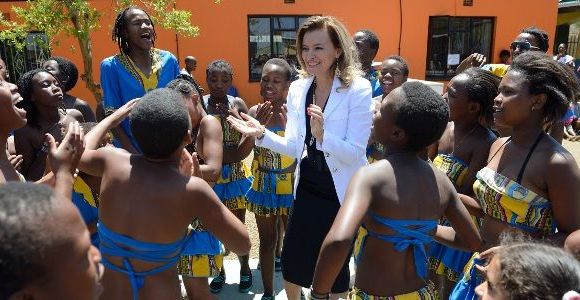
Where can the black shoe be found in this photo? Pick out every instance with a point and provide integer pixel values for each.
(217, 283)
(277, 264)
(245, 283)
(267, 297)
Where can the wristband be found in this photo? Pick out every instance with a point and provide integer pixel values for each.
(315, 296)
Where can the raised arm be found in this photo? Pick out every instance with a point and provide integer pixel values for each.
(212, 148)
(338, 241)
(359, 122)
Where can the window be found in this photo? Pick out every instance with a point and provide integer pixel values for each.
(269, 37)
(35, 52)
(452, 39)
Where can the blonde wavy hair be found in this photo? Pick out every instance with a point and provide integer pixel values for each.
(347, 65)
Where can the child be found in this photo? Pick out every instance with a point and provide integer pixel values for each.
(43, 241)
(202, 256)
(138, 68)
(235, 178)
(11, 118)
(530, 184)
(460, 153)
(398, 201)
(530, 271)
(394, 72)
(141, 251)
(270, 197)
(45, 113)
(68, 74)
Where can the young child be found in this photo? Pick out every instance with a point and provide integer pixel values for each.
(68, 74)
(43, 242)
(395, 205)
(461, 151)
(141, 251)
(11, 118)
(270, 197)
(394, 72)
(45, 113)
(202, 256)
(530, 271)
(235, 178)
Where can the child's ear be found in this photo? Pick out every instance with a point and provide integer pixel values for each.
(398, 135)
(474, 107)
(538, 101)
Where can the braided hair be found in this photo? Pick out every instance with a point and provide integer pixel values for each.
(25, 87)
(482, 88)
(69, 74)
(545, 75)
(120, 27)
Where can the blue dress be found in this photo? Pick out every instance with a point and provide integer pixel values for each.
(121, 82)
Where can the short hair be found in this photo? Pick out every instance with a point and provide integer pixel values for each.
(189, 58)
(24, 209)
(159, 121)
(68, 70)
(371, 37)
(348, 66)
(183, 86)
(422, 105)
(282, 64)
(482, 87)
(25, 87)
(544, 75)
(537, 271)
(504, 52)
(403, 62)
(219, 65)
(540, 35)
(121, 25)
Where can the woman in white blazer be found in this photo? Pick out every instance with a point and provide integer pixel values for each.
(329, 122)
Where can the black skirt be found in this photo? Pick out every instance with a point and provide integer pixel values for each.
(311, 217)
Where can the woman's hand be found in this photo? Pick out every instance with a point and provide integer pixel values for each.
(247, 126)
(316, 122)
(475, 60)
(16, 161)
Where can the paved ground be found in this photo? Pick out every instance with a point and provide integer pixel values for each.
(230, 291)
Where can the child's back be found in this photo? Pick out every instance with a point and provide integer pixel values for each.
(146, 202)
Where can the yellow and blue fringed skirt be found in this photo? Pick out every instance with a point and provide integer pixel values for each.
(271, 193)
(234, 182)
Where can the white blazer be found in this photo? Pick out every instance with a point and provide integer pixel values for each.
(347, 126)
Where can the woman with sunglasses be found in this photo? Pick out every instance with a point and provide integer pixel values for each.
(531, 184)
(530, 39)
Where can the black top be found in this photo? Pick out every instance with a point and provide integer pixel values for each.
(313, 167)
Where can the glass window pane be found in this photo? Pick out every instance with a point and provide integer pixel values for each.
(259, 45)
(284, 23)
(438, 43)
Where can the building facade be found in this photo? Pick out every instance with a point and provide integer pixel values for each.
(432, 35)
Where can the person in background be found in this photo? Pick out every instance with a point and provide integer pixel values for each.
(68, 74)
(563, 57)
(4, 74)
(187, 73)
(504, 57)
(367, 44)
(135, 70)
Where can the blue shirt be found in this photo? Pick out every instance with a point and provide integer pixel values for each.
(373, 77)
(120, 85)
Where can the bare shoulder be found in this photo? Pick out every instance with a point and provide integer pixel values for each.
(379, 173)
(560, 159)
(81, 102)
(211, 123)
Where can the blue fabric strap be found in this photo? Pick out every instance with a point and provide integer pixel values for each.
(114, 244)
(412, 233)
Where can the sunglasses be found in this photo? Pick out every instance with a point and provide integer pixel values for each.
(523, 46)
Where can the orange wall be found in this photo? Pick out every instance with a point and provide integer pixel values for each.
(224, 33)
